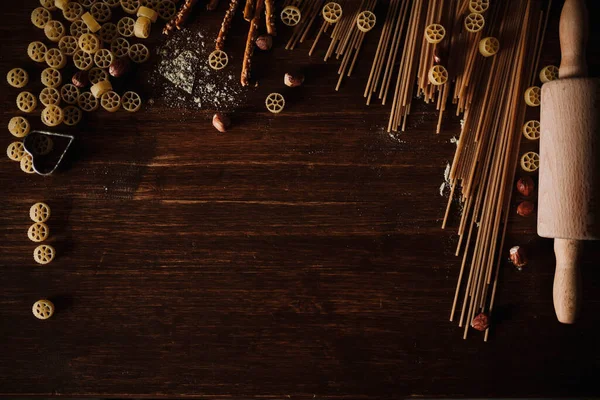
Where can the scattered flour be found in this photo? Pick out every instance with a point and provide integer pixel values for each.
(446, 184)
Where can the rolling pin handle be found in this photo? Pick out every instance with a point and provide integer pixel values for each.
(573, 31)
(567, 280)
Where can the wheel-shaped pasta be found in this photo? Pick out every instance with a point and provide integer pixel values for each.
(365, 21)
(218, 59)
(91, 23)
(100, 88)
(166, 9)
(533, 96)
(19, 127)
(110, 101)
(108, 33)
(438, 75)
(41, 145)
(120, 47)
(39, 212)
(291, 15)
(147, 12)
(54, 30)
(474, 22)
(103, 58)
(548, 73)
(112, 3)
(17, 77)
(275, 103)
(72, 11)
(69, 93)
(131, 101)
(51, 77)
(530, 161)
(68, 45)
(52, 116)
(49, 97)
(48, 4)
(83, 60)
(55, 58)
(142, 28)
(44, 254)
(125, 26)
(97, 75)
(139, 53)
(489, 46)
(15, 151)
(101, 12)
(26, 102)
(26, 164)
(531, 130)
(130, 6)
(78, 28)
(90, 43)
(479, 6)
(72, 115)
(43, 309)
(435, 33)
(37, 51)
(40, 17)
(38, 232)
(332, 12)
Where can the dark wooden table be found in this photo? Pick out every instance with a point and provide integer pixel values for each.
(296, 256)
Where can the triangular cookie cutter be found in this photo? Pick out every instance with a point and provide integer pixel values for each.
(28, 143)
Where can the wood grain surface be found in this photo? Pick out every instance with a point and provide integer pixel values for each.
(296, 256)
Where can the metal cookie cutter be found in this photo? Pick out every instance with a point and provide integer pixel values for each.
(40, 145)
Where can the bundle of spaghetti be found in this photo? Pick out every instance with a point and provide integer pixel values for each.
(342, 29)
(309, 9)
(325, 25)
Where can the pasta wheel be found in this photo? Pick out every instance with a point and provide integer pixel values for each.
(120, 47)
(48, 4)
(97, 75)
(100, 88)
(438, 75)
(44, 254)
(83, 60)
(332, 12)
(72, 115)
(73, 11)
(142, 27)
(108, 33)
(43, 309)
(533, 96)
(54, 30)
(131, 101)
(26, 102)
(435, 33)
(55, 58)
(474, 22)
(275, 103)
(51, 77)
(366, 21)
(78, 28)
(139, 53)
(103, 58)
(530, 162)
(15, 151)
(125, 26)
(69, 93)
(489, 46)
(91, 22)
(549, 73)
(90, 43)
(52, 116)
(68, 45)
(531, 130)
(291, 15)
(218, 59)
(26, 164)
(17, 77)
(146, 12)
(87, 102)
(130, 6)
(110, 101)
(61, 4)
(112, 3)
(37, 51)
(39, 212)
(41, 145)
(40, 17)
(49, 97)
(19, 127)
(101, 12)
(87, 3)
(479, 6)
(166, 9)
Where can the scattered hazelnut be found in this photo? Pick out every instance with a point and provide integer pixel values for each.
(481, 322)
(293, 80)
(81, 79)
(221, 122)
(525, 186)
(525, 209)
(264, 42)
(518, 257)
(119, 67)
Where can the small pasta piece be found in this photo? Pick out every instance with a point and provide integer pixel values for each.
(41, 145)
(37, 51)
(489, 46)
(44, 254)
(100, 88)
(103, 58)
(49, 97)
(48, 4)
(87, 102)
(78, 28)
(15, 151)
(54, 30)
(131, 101)
(39, 212)
(438, 75)
(69, 93)
(139, 53)
(130, 6)
(125, 26)
(61, 4)
(68, 45)
(72, 115)
(26, 164)
(479, 6)
(366, 21)
(43, 309)
(142, 28)
(83, 60)
(26, 102)
(55, 58)
(120, 47)
(435, 33)
(549, 73)
(19, 127)
(17, 77)
(51, 77)
(275, 103)
(147, 13)
(166, 9)
(52, 116)
(110, 101)
(474, 22)
(89, 43)
(97, 75)
(218, 59)
(291, 15)
(73, 11)
(101, 12)
(40, 17)
(533, 96)
(91, 22)
(530, 161)
(108, 33)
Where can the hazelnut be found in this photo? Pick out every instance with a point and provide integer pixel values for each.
(264, 42)
(481, 322)
(525, 209)
(525, 186)
(81, 79)
(518, 257)
(221, 122)
(293, 80)
(119, 67)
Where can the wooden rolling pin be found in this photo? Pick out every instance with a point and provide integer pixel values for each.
(569, 163)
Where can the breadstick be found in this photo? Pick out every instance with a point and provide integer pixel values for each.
(249, 10)
(226, 24)
(180, 18)
(252, 34)
(270, 17)
(212, 5)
